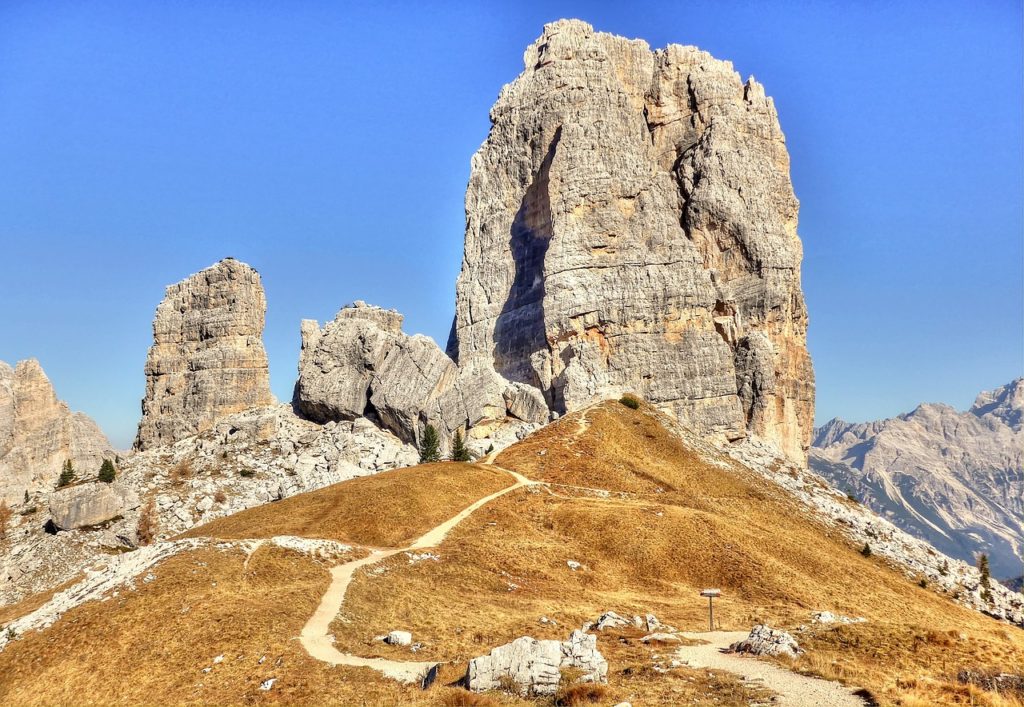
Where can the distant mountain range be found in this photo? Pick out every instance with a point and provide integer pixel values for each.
(953, 478)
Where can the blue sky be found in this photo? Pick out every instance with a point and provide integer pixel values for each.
(328, 145)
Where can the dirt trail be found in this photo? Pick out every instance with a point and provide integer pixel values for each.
(314, 636)
(793, 689)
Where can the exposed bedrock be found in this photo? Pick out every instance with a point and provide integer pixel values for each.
(631, 226)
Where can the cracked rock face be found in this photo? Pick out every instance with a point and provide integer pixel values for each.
(631, 226)
(38, 433)
(207, 359)
(363, 365)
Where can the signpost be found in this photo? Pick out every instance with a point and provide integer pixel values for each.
(711, 594)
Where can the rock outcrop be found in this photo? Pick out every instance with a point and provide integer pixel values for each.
(955, 479)
(764, 640)
(207, 359)
(631, 226)
(363, 365)
(39, 433)
(90, 504)
(534, 666)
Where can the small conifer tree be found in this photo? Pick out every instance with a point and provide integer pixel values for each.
(107, 473)
(986, 578)
(430, 446)
(944, 570)
(67, 474)
(26, 497)
(866, 550)
(459, 451)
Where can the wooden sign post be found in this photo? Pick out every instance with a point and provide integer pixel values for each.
(711, 594)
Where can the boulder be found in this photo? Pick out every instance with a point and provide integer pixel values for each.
(631, 226)
(534, 666)
(398, 638)
(207, 360)
(767, 641)
(361, 364)
(89, 504)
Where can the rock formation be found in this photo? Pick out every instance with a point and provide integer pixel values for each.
(534, 667)
(207, 359)
(38, 433)
(953, 478)
(363, 365)
(631, 226)
(90, 504)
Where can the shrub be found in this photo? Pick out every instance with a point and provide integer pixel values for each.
(247, 473)
(630, 401)
(67, 474)
(923, 582)
(107, 473)
(459, 451)
(944, 569)
(220, 496)
(581, 694)
(465, 698)
(866, 550)
(180, 471)
(146, 532)
(5, 516)
(430, 446)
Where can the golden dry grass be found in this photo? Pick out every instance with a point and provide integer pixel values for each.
(681, 524)
(382, 510)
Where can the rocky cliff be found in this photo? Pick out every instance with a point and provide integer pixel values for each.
(207, 359)
(631, 226)
(38, 433)
(363, 365)
(953, 478)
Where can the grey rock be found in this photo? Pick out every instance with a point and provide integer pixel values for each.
(398, 638)
(361, 365)
(207, 360)
(767, 641)
(89, 504)
(534, 666)
(631, 226)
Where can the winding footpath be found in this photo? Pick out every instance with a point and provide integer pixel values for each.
(315, 636)
(793, 689)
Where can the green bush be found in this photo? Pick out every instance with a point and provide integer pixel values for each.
(630, 401)
(866, 550)
(247, 473)
(107, 473)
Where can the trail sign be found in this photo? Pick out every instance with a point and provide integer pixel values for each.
(711, 594)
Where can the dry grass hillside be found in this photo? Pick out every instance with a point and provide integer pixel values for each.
(649, 520)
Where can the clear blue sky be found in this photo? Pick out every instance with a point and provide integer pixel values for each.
(328, 145)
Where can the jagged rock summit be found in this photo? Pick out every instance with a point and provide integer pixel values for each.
(953, 478)
(631, 226)
(207, 359)
(38, 433)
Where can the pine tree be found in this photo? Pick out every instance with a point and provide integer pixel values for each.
(459, 451)
(107, 473)
(986, 577)
(944, 570)
(866, 550)
(67, 474)
(430, 446)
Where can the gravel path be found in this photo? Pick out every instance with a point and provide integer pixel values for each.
(314, 636)
(794, 690)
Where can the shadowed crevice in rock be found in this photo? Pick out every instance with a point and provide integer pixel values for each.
(519, 330)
